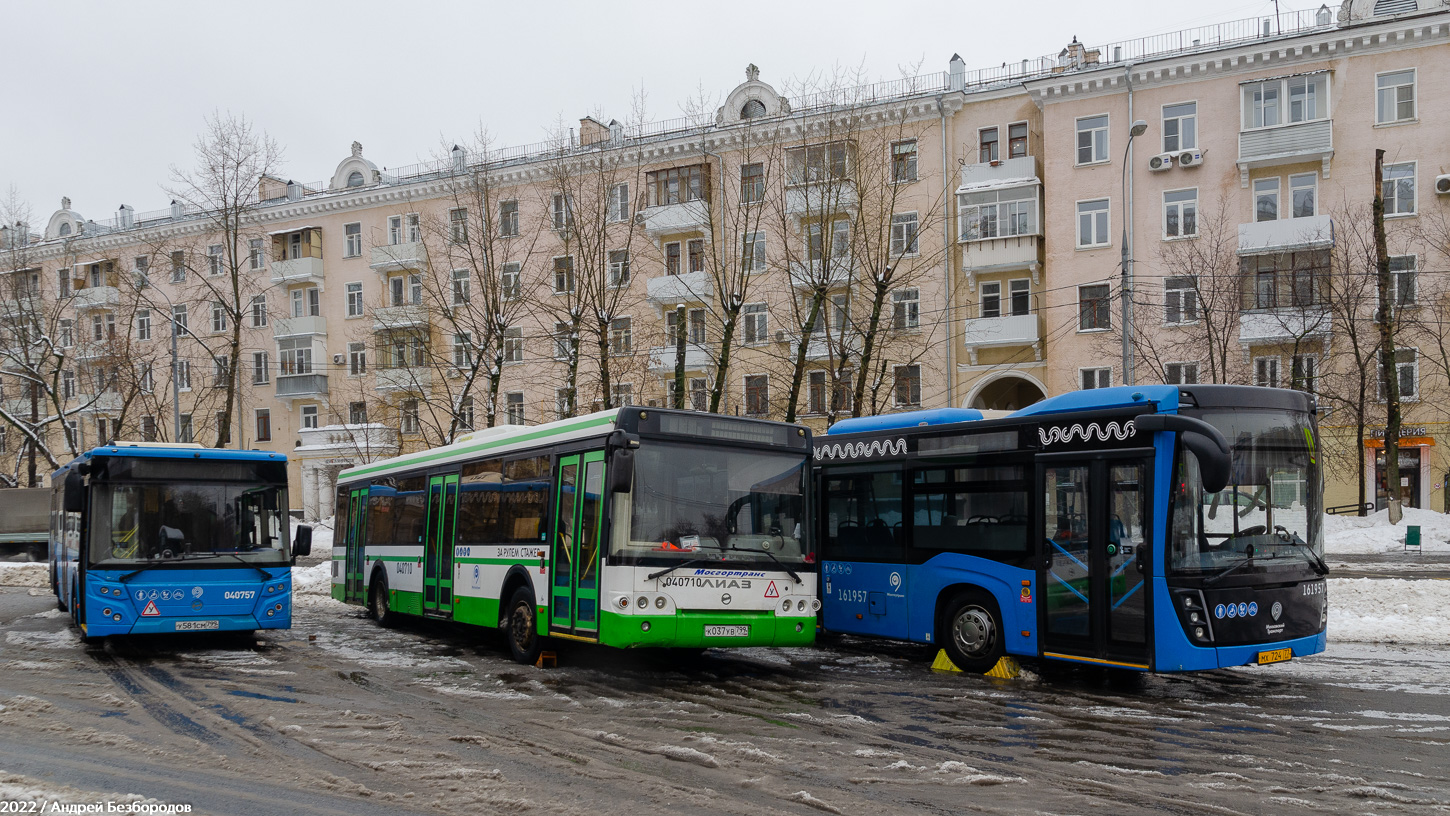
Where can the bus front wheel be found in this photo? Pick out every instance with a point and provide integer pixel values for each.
(522, 627)
(378, 607)
(973, 628)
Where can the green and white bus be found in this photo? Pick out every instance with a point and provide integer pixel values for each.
(627, 527)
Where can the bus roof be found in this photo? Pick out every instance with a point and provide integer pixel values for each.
(1096, 399)
(148, 450)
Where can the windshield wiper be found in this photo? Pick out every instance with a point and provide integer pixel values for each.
(771, 556)
(686, 563)
(1312, 557)
(1232, 568)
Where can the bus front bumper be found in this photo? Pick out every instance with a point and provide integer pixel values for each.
(165, 625)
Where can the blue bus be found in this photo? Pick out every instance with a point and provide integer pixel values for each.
(1153, 528)
(154, 537)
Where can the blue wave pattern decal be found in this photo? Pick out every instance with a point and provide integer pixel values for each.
(857, 450)
(1087, 433)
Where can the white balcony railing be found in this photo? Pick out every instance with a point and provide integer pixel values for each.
(297, 270)
(691, 287)
(1285, 144)
(662, 359)
(397, 257)
(1286, 235)
(995, 254)
(391, 318)
(1003, 173)
(828, 272)
(1285, 325)
(1007, 330)
(667, 219)
(403, 379)
(298, 326)
(96, 297)
(811, 200)
(301, 385)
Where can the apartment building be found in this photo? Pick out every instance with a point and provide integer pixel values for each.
(950, 239)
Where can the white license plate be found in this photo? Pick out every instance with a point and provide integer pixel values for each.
(727, 631)
(197, 626)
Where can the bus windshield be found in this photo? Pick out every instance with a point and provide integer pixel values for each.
(196, 523)
(711, 503)
(1271, 507)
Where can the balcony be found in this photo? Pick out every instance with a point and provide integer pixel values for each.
(662, 359)
(1000, 254)
(301, 385)
(828, 273)
(298, 326)
(393, 318)
(1286, 325)
(669, 219)
(691, 287)
(96, 297)
(297, 270)
(1004, 173)
(1007, 330)
(403, 379)
(21, 305)
(1286, 235)
(398, 257)
(1286, 144)
(812, 200)
(105, 402)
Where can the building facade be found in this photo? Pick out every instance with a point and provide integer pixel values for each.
(952, 239)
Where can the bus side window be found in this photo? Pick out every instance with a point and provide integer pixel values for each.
(863, 517)
(979, 511)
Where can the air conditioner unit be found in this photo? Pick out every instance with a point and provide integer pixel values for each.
(1190, 158)
(1162, 161)
(781, 337)
(1442, 184)
(337, 359)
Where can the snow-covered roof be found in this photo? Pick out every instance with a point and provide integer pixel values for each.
(996, 184)
(292, 229)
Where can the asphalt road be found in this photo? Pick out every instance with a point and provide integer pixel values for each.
(340, 716)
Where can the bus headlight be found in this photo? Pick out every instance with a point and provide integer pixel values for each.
(116, 617)
(660, 602)
(271, 612)
(785, 605)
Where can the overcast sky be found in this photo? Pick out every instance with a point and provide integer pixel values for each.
(102, 99)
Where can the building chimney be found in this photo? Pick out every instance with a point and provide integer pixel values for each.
(294, 191)
(65, 202)
(460, 159)
(957, 73)
(126, 217)
(1322, 16)
(177, 209)
(616, 131)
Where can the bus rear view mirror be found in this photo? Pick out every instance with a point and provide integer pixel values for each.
(302, 542)
(75, 492)
(1205, 441)
(621, 447)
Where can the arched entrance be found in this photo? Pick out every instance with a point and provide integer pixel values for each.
(1007, 392)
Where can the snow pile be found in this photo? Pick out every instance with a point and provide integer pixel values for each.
(313, 580)
(24, 574)
(1389, 610)
(47, 795)
(1373, 534)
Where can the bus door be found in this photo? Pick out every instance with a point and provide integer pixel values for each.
(438, 540)
(356, 537)
(578, 520)
(1093, 564)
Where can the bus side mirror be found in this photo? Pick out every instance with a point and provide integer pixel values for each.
(75, 492)
(302, 543)
(621, 447)
(1205, 441)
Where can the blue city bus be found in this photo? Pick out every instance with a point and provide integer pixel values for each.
(1153, 528)
(150, 538)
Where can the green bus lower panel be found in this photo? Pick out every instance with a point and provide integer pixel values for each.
(477, 611)
(339, 592)
(408, 603)
(687, 630)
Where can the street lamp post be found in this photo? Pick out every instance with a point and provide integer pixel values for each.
(1138, 129)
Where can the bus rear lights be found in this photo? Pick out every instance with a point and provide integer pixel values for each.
(660, 602)
(624, 602)
(643, 602)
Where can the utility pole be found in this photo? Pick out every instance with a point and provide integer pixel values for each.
(1385, 318)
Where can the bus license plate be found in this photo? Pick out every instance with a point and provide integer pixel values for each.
(197, 626)
(1275, 656)
(727, 631)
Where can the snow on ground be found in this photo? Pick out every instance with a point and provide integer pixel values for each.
(21, 792)
(1373, 534)
(1389, 610)
(21, 574)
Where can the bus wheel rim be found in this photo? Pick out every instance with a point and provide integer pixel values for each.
(521, 630)
(974, 632)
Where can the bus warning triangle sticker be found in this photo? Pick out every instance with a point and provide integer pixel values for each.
(150, 610)
(771, 591)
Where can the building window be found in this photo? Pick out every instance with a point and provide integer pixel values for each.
(143, 325)
(508, 218)
(67, 335)
(816, 392)
(259, 311)
(184, 433)
(818, 163)
(1017, 140)
(1395, 97)
(622, 393)
(903, 161)
(1403, 273)
(295, 356)
(309, 417)
(907, 387)
(563, 211)
(1180, 213)
(254, 253)
(357, 413)
(1285, 279)
(1180, 127)
(143, 272)
(1399, 189)
(563, 402)
(1090, 378)
(306, 302)
(465, 413)
(67, 384)
(178, 319)
(991, 299)
(408, 416)
(458, 225)
(1304, 373)
(840, 240)
(462, 353)
(905, 309)
(695, 252)
(1092, 139)
(619, 203)
(352, 240)
(757, 323)
(413, 226)
(357, 359)
(757, 394)
(1266, 199)
(987, 145)
(354, 292)
(1180, 301)
(395, 230)
(753, 255)
(513, 345)
(677, 185)
(1019, 293)
(183, 375)
(261, 371)
(178, 270)
(1264, 102)
(264, 425)
(460, 287)
(514, 408)
(1092, 223)
(619, 268)
(147, 379)
(221, 371)
(148, 429)
(214, 259)
(1093, 307)
(563, 274)
(1266, 372)
(903, 234)
(621, 335)
(838, 313)
(672, 258)
(218, 316)
(1181, 373)
(1302, 194)
(752, 183)
(355, 179)
(562, 341)
(511, 281)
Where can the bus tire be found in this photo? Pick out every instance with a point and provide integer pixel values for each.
(521, 627)
(55, 587)
(972, 629)
(378, 607)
